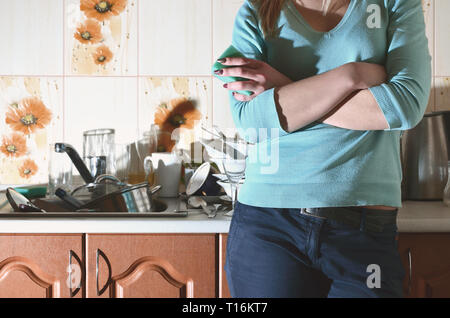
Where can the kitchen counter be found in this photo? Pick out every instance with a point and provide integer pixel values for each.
(414, 217)
(423, 217)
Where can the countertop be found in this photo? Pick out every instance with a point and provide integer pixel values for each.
(414, 217)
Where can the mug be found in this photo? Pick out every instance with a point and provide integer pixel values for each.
(167, 170)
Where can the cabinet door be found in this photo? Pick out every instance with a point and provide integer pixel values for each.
(224, 291)
(426, 258)
(151, 265)
(37, 265)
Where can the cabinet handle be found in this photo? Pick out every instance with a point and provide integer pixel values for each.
(99, 253)
(74, 255)
(410, 271)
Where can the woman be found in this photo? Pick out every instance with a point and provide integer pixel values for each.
(334, 84)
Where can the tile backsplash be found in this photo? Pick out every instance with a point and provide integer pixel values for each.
(115, 70)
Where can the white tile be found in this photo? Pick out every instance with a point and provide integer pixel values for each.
(32, 37)
(118, 33)
(175, 37)
(155, 91)
(221, 110)
(428, 11)
(224, 14)
(442, 38)
(100, 102)
(12, 91)
(442, 93)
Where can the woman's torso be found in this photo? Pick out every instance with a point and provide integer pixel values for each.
(345, 29)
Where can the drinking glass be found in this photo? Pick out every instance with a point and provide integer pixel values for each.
(122, 161)
(59, 171)
(98, 151)
(234, 163)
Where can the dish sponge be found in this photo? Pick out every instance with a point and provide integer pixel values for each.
(231, 51)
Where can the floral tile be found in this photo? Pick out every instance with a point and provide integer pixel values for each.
(176, 102)
(30, 116)
(101, 37)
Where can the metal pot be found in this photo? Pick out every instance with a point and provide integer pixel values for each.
(136, 198)
(425, 159)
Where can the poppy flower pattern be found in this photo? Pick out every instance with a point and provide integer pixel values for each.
(28, 169)
(14, 145)
(102, 55)
(101, 37)
(102, 9)
(89, 32)
(29, 116)
(180, 113)
(30, 119)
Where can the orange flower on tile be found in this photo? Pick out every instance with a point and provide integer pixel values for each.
(14, 145)
(165, 142)
(89, 32)
(102, 9)
(102, 55)
(180, 114)
(28, 169)
(30, 116)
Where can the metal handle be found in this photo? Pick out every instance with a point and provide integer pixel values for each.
(99, 253)
(77, 289)
(410, 271)
(108, 177)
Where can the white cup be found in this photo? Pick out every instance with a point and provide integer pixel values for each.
(167, 168)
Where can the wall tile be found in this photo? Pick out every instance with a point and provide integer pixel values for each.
(428, 11)
(442, 93)
(221, 113)
(96, 102)
(32, 37)
(13, 90)
(442, 38)
(118, 33)
(175, 37)
(224, 13)
(163, 91)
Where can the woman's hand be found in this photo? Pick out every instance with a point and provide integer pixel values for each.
(261, 76)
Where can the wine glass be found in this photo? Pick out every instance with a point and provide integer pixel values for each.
(234, 163)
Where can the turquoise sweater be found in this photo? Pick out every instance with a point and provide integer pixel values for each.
(321, 165)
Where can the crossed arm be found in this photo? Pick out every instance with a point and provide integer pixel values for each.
(339, 97)
(357, 96)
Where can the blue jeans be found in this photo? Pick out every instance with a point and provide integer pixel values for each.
(284, 253)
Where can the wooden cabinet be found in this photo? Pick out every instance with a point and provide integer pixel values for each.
(35, 266)
(426, 258)
(168, 265)
(151, 265)
(224, 292)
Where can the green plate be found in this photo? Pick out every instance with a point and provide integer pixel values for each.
(231, 51)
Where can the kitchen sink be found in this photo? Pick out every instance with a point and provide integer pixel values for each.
(164, 207)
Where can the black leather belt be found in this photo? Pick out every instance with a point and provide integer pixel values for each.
(371, 220)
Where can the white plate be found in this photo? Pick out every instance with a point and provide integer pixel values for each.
(198, 178)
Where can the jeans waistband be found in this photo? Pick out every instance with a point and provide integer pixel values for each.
(371, 220)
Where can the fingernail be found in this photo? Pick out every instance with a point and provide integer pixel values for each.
(218, 72)
(225, 85)
(221, 60)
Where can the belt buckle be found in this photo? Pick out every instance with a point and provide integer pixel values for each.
(305, 211)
